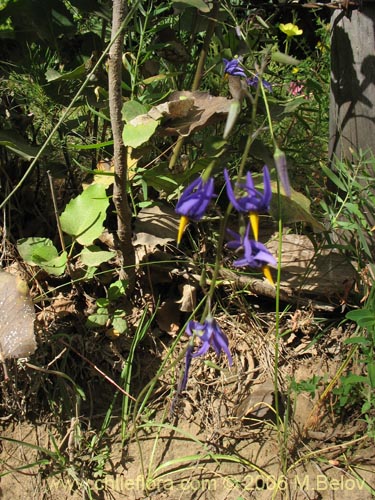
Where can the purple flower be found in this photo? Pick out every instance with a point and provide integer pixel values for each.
(233, 68)
(253, 202)
(254, 81)
(210, 335)
(255, 254)
(193, 202)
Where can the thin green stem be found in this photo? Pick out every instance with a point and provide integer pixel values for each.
(217, 265)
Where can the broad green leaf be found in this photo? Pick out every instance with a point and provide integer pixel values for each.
(198, 4)
(41, 252)
(94, 256)
(294, 209)
(132, 109)
(27, 246)
(119, 324)
(55, 266)
(54, 76)
(98, 319)
(17, 144)
(135, 135)
(363, 317)
(84, 216)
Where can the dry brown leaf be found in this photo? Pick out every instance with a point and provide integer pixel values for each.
(188, 300)
(172, 109)
(168, 317)
(61, 307)
(157, 225)
(206, 109)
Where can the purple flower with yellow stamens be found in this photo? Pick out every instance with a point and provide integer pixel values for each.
(233, 68)
(253, 202)
(255, 254)
(209, 334)
(193, 202)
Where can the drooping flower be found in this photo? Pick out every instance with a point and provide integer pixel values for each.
(233, 68)
(193, 202)
(290, 29)
(255, 254)
(253, 201)
(210, 335)
(253, 81)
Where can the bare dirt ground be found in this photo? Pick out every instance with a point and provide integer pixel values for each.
(222, 441)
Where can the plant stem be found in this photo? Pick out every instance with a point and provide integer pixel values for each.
(120, 197)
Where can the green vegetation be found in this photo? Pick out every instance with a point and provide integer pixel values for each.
(210, 91)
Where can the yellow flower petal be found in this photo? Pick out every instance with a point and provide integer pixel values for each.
(290, 29)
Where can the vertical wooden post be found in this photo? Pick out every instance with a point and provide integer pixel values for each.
(352, 99)
(352, 107)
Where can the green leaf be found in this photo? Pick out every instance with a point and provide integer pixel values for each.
(41, 252)
(294, 209)
(282, 58)
(371, 374)
(98, 319)
(17, 144)
(132, 109)
(94, 256)
(55, 266)
(363, 317)
(97, 145)
(119, 324)
(84, 216)
(117, 289)
(198, 4)
(135, 135)
(54, 76)
(333, 177)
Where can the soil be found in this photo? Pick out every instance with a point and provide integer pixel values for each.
(220, 442)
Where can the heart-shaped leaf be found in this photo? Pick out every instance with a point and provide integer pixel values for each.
(84, 216)
(41, 252)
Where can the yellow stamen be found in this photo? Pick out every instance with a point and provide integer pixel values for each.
(254, 221)
(267, 274)
(184, 221)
